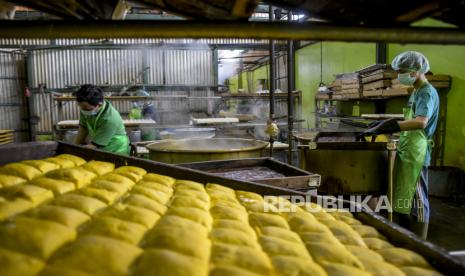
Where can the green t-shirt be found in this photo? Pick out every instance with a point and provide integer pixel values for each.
(106, 124)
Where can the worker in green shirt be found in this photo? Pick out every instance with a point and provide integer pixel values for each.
(100, 121)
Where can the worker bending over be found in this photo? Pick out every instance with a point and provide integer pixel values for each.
(100, 121)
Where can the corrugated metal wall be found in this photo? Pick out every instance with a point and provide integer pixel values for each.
(59, 68)
(11, 94)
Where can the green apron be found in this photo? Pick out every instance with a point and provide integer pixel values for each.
(410, 158)
(118, 143)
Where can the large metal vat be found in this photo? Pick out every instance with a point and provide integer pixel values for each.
(348, 167)
(196, 150)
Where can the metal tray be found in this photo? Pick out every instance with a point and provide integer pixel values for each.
(436, 255)
(291, 177)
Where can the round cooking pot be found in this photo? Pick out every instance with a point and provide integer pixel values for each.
(196, 150)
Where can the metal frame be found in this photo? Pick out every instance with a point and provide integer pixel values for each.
(214, 29)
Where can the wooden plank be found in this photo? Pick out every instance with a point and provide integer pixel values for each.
(348, 91)
(377, 84)
(379, 76)
(349, 81)
(397, 91)
(351, 96)
(350, 86)
(438, 77)
(372, 93)
(323, 96)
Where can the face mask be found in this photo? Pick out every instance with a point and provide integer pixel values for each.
(406, 79)
(90, 112)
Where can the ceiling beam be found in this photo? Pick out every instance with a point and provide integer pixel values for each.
(257, 30)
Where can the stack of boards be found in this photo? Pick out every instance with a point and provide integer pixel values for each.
(375, 81)
(65, 216)
(6, 136)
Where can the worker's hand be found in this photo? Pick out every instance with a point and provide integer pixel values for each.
(272, 129)
(384, 127)
(90, 146)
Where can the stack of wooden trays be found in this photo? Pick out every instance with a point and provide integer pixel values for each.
(6, 136)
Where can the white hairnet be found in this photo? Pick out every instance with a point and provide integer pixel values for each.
(411, 61)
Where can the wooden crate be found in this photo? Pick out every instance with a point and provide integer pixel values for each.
(323, 96)
(351, 96)
(377, 85)
(397, 92)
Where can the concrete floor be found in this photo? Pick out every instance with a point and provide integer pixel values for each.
(447, 224)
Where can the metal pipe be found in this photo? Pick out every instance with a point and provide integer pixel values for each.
(290, 100)
(381, 53)
(271, 81)
(257, 30)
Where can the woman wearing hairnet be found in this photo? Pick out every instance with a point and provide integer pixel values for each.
(410, 197)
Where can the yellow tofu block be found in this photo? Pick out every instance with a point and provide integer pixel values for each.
(336, 269)
(61, 271)
(32, 193)
(153, 194)
(68, 217)
(338, 213)
(419, 271)
(20, 170)
(259, 207)
(235, 225)
(131, 213)
(97, 255)
(247, 196)
(41, 165)
(212, 188)
(230, 271)
(192, 242)
(116, 178)
(10, 180)
(324, 237)
(9, 208)
(169, 263)
(187, 201)
(189, 185)
(180, 222)
(241, 256)
(403, 257)
(162, 179)
(291, 266)
(345, 234)
(145, 202)
(63, 163)
(363, 253)
(235, 237)
(227, 203)
(58, 187)
(264, 219)
(280, 233)
(382, 268)
(367, 231)
(334, 253)
(131, 172)
(34, 237)
(120, 188)
(78, 161)
(197, 215)
(115, 228)
(377, 244)
(219, 197)
(103, 195)
(275, 247)
(15, 264)
(156, 186)
(202, 195)
(349, 220)
(79, 176)
(82, 203)
(323, 217)
(223, 212)
(99, 167)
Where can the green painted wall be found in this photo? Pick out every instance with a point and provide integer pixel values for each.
(445, 59)
(338, 57)
(233, 83)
